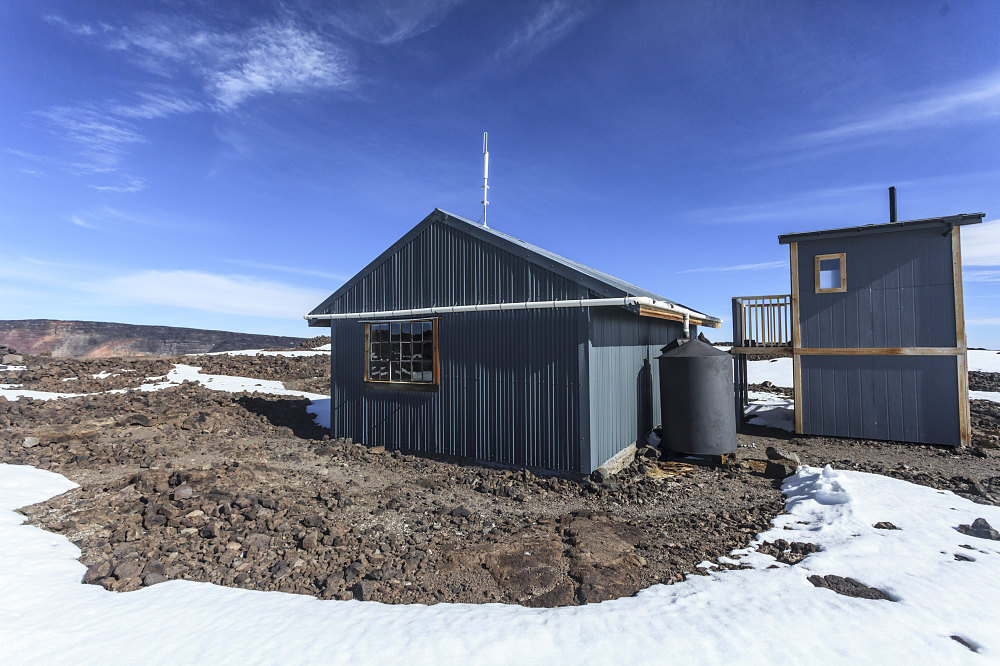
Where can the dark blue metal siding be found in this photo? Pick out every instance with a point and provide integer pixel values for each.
(444, 266)
(624, 378)
(900, 398)
(899, 292)
(509, 391)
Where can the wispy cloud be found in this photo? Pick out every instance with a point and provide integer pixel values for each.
(816, 203)
(153, 105)
(985, 321)
(975, 99)
(226, 294)
(553, 21)
(230, 68)
(762, 266)
(233, 66)
(128, 185)
(101, 139)
(279, 59)
(981, 275)
(385, 21)
(78, 221)
(109, 218)
(981, 244)
(288, 269)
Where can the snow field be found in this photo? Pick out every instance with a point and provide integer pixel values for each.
(757, 615)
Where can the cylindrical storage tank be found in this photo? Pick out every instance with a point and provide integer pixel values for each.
(696, 398)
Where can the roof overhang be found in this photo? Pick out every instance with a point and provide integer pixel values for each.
(948, 222)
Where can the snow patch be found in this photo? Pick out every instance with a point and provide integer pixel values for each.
(771, 410)
(318, 351)
(47, 615)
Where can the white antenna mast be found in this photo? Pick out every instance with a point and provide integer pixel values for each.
(486, 177)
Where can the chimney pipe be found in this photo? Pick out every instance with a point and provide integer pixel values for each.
(892, 204)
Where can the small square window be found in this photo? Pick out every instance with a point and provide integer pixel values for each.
(831, 273)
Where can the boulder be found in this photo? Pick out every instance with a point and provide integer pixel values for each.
(980, 529)
(782, 454)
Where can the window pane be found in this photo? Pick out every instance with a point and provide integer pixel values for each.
(829, 273)
(394, 342)
(401, 351)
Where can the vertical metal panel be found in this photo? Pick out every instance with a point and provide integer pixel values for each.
(899, 292)
(624, 378)
(444, 266)
(509, 397)
(901, 398)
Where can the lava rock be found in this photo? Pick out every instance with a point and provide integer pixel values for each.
(782, 455)
(980, 529)
(848, 587)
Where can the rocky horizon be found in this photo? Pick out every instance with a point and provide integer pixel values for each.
(92, 339)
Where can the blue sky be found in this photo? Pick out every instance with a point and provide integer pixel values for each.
(228, 165)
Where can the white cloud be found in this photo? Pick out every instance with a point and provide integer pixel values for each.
(80, 222)
(981, 275)
(971, 100)
(223, 294)
(386, 21)
(824, 202)
(762, 266)
(102, 139)
(981, 244)
(553, 20)
(156, 105)
(987, 321)
(279, 59)
(232, 66)
(288, 269)
(128, 185)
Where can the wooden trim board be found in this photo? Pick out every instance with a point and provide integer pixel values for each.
(842, 257)
(879, 351)
(964, 417)
(646, 311)
(763, 351)
(793, 264)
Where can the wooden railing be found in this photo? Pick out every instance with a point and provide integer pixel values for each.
(762, 323)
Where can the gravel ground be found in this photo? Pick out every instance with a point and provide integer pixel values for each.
(244, 490)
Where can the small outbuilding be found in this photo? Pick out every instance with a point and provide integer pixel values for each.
(464, 341)
(875, 326)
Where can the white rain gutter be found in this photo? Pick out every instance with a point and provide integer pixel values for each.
(525, 305)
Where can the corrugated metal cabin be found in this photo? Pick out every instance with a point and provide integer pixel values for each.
(875, 326)
(464, 341)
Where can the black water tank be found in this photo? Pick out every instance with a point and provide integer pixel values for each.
(696, 398)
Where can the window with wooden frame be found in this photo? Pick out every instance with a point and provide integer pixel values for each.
(402, 352)
(831, 273)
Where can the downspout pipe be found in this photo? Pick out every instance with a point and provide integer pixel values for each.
(525, 305)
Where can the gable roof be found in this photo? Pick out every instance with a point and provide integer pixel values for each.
(600, 283)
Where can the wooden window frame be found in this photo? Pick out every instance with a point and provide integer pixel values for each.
(405, 385)
(842, 257)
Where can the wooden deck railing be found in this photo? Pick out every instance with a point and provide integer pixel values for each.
(762, 323)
